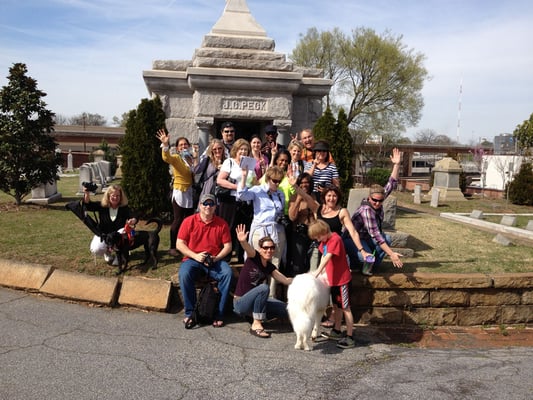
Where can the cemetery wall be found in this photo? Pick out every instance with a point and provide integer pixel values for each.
(443, 299)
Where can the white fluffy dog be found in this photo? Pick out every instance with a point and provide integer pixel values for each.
(307, 299)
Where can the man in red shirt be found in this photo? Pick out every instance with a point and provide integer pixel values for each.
(204, 240)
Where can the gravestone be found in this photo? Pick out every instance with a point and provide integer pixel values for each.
(105, 168)
(508, 220)
(435, 194)
(85, 175)
(477, 214)
(98, 155)
(118, 172)
(92, 172)
(529, 226)
(500, 239)
(418, 194)
(45, 193)
(389, 213)
(446, 180)
(355, 197)
(70, 162)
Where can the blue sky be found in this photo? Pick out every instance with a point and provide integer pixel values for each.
(88, 55)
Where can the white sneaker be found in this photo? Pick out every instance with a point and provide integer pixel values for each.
(115, 261)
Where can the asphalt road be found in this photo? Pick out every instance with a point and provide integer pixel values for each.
(52, 349)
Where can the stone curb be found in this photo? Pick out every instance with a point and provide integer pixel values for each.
(81, 287)
(150, 294)
(493, 227)
(23, 275)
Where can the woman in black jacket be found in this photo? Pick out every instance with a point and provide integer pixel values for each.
(113, 215)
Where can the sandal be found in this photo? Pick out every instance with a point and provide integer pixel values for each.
(328, 323)
(189, 323)
(218, 324)
(260, 333)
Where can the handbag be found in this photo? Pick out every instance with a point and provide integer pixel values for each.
(224, 194)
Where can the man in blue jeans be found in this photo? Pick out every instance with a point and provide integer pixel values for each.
(204, 240)
(367, 221)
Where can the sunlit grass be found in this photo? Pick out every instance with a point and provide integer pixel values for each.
(54, 236)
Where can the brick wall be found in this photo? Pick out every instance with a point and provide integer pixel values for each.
(443, 299)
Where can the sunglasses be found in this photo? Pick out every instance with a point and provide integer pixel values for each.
(229, 131)
(269, 248)
(276, 181)
(377, 200)
(208, 203)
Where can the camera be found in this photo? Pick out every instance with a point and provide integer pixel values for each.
(90, 186)
(301, 229)
(208, 261)
(284, 220)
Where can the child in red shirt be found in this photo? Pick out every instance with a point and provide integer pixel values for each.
(335, 264)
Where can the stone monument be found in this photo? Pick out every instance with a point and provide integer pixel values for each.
(45, 193)
(446, 180)
(236, 75)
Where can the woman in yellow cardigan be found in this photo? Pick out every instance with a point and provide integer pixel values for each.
(182, 163)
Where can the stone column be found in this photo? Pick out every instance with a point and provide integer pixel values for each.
(205, 125)
(284, 130)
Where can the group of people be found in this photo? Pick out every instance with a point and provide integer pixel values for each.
(281, 217)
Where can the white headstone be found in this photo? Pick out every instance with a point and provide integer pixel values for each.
(529, 226)
(477, 214)
(70, 162)
(435, 197)
(500, 239)
(85, 175)
(508, 220)
(418, 194)
(45, 193)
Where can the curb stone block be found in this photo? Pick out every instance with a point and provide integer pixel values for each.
(151, 294)
(23, 276)
(76, 286)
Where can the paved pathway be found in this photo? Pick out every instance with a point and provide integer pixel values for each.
(52, 349)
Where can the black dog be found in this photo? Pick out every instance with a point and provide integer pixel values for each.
(120, 243)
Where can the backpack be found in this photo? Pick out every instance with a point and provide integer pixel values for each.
(207, 304)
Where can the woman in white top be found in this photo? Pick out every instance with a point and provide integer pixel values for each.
(229, 177)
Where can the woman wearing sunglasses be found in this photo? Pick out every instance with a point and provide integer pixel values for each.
(251, 297)
(368, 219)
(269, 210)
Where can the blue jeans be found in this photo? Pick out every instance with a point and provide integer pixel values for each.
(356, 258)
(191, 270)
(257, 304)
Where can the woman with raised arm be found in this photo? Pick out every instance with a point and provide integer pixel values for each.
(252, 292)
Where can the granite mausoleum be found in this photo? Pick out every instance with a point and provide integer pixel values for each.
(236, 76)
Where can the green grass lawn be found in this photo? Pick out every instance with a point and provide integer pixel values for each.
(54, 236)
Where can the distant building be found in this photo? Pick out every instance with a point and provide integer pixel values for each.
(504, 144)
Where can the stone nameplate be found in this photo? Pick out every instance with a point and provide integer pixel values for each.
(229, 104)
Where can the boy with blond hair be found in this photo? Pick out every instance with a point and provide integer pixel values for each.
(335, 264)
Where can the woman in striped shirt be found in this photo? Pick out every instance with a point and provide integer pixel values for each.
(324, 173)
